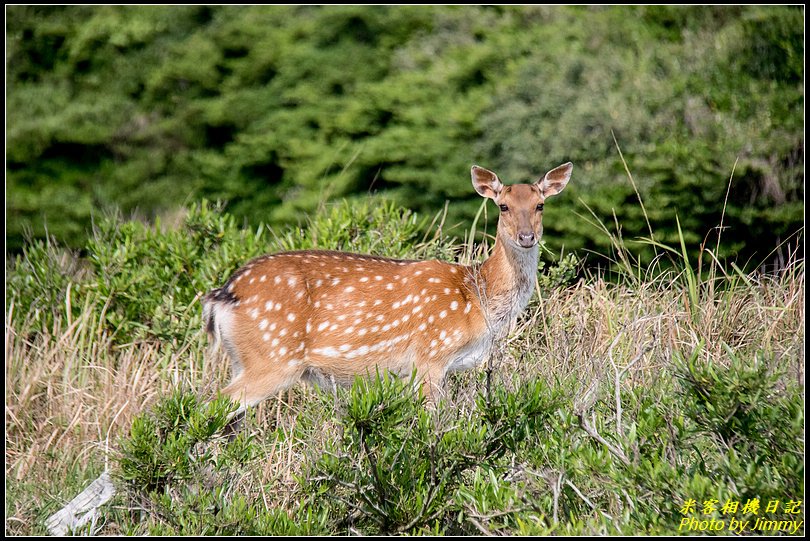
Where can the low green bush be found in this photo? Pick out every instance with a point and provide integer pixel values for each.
(529, 458)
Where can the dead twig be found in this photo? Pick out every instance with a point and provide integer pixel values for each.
(591, 431)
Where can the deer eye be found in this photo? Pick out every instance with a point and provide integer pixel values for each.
(504, 208)
(540, 207)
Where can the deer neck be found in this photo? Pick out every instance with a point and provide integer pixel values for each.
(506, 282)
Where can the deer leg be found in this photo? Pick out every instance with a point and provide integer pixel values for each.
(249, 388)
(432, 379)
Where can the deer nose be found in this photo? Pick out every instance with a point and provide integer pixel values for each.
(527, 240)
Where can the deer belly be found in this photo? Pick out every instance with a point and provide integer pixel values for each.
(471, 355)
(340, 365)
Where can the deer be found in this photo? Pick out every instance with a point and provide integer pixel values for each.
(326, 317)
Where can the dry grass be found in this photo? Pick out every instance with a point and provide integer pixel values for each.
(70, 393)
(578, 329)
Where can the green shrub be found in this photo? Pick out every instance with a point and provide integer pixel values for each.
(40, 280)
(402, 468)
(179, 469)
(145, 281)
(749, 421)
(145, 109)
(162, 448)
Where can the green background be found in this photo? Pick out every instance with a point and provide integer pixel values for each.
(277, 110)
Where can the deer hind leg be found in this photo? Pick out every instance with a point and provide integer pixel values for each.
(253, 385)
(264, 359)
(249, 388)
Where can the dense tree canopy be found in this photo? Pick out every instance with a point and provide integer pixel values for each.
(279, 109)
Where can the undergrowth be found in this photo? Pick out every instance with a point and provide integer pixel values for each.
(612, 404)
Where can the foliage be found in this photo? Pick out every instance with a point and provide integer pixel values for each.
(518, 462)
(144, 281)
(277, 109)
(400, 467)
(571, 432)
(176, 466)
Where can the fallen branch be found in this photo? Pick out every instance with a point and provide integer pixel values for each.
(83, 508)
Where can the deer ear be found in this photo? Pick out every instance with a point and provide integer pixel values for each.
(555, 180)
(485, 182)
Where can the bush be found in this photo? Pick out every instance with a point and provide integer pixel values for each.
(142, 109)
(144, 281)
(183, 474)
(401, 468)
(534, 459)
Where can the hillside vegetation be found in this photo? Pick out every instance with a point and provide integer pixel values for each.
(609, 407)
(656, 377)
(278, 109)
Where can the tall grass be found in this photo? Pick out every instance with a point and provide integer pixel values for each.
(83, 359)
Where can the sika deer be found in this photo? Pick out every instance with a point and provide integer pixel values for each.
(330, 316)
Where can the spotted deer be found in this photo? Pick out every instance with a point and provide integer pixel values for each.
(327, 316)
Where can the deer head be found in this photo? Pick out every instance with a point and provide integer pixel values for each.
(521, 219)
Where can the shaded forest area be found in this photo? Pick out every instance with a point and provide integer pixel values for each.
(277, 110)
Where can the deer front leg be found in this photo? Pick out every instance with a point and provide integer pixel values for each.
(432, 379)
